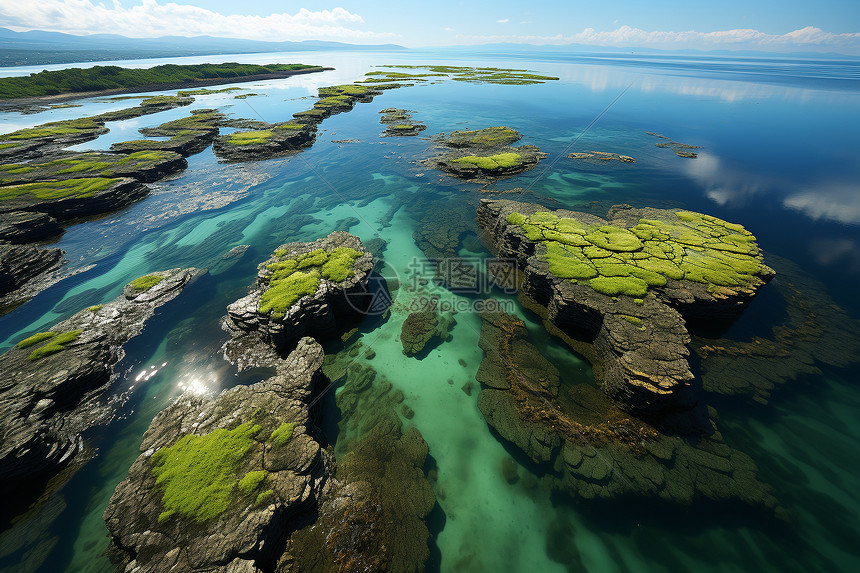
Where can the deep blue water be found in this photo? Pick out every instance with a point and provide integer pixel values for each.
(779, 141)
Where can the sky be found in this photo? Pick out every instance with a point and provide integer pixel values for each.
(767, 25)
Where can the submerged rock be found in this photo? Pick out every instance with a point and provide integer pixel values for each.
(622, 292)
(596, 449)
(304, 289)
(399, 123)
(421, 326)
(53, 380)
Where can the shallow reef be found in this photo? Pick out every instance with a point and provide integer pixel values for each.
(399, 123)
(595, 449)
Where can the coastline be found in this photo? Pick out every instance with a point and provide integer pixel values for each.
(58, 98)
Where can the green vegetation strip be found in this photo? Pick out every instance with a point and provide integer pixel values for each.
(57, 343)
(614, 260)
(54, 190)
(98, 78)
(145, 282)
(491, 162)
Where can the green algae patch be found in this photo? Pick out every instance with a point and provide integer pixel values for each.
(197, 474)
(251, 481)
(55, 190)
(285, 292)
(57, 343)
(622, 261)
(293, 278)
(490, 162)
(282, 434)
(339, 264)
(35, 339)
(251, 137)
(145, 282)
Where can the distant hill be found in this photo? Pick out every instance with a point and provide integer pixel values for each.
(38, 47)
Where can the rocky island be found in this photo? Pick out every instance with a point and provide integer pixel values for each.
(623, 291)
(486, 154)
(54, 380)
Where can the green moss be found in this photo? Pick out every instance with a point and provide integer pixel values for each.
(251, 481)
(696, 247)
(260, 137)
(57, 344)
(516, 218)
(339, 264)
(35, 339)
(197, 475)
(56, 190)
(639, 301)
(313, 259)
(263, 496)
(285, 292)
(145, 282)
(95, 308)
(630, 286)
(632, 319)
(282, 434)
(491, 162)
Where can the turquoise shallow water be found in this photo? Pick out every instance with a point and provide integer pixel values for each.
(778, 157)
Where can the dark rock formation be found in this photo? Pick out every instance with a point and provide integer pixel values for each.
(300, 291)
(421, 326)
(621, 292)
(81, 197)
(815, 333)
(143, 166)
(19, 227)
(598, 450)
(277, 139)
(22, 263)
(53, 381)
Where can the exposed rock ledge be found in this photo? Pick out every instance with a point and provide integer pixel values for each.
(303, 289)
(51, 384)
(622, 291)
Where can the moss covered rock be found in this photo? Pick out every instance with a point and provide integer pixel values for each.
(624, 291)
(313, 288)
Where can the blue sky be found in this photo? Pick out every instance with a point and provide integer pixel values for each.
(772, 25)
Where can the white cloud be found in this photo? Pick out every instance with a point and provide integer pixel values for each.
(448, 29)
(837, 202)
(805, 38)
(503, 21)
(151, 19)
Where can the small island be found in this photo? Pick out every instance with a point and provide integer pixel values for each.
(75, 82)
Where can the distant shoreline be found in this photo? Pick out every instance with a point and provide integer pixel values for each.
(57, 98)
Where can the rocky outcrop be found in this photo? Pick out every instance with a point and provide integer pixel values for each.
(53, 380)
(77, 197)
(623, 291)
(254, 498)
(485, 154)
(19, 227)
(422, 326)
(20, 264)
(399, 123)
(596, 449)
(304, 289)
